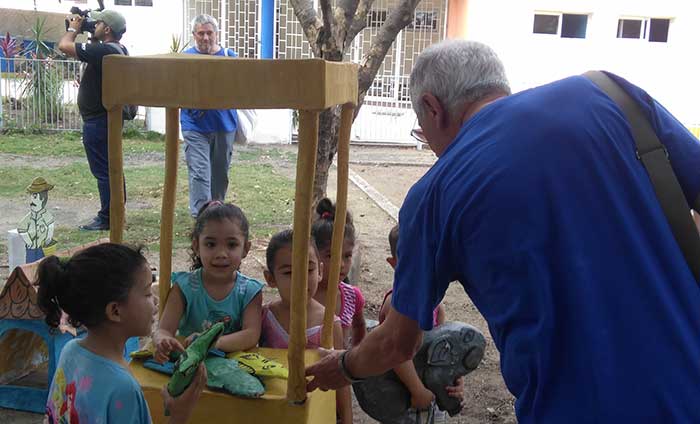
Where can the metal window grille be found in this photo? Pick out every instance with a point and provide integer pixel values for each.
(238, 23)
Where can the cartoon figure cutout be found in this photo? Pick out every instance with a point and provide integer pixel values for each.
(36, 228)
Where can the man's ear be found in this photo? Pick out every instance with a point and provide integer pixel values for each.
(434, 110)
(270, 278)
(112, 312)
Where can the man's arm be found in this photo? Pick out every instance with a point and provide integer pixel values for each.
(67, 43)
(393, 342)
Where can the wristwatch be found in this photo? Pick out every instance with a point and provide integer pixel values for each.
(71, 29)
(344, 370)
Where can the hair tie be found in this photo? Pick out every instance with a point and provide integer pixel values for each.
(326, 215)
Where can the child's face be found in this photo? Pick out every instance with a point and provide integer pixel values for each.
(345, 261)
(221, 246)
(281, 276)
(136, 313)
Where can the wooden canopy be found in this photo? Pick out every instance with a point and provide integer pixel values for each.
(212, 82)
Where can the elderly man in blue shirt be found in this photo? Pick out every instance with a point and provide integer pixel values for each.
(208, 134)
(539, 207)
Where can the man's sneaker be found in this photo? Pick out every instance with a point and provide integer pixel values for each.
(97, 224)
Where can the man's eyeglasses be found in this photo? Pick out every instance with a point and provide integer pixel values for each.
(417, 133)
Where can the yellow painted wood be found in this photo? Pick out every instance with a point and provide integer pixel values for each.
(346, 116)
(222, 408)
(217, 82)
(116, 174)
(306, 169)
(167, 213)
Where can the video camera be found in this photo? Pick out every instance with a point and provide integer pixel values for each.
(88, 25)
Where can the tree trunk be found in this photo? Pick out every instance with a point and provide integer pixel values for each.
(329, 37)
(328, 126)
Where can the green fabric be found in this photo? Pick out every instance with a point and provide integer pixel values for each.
(225, 374)
(187, 364)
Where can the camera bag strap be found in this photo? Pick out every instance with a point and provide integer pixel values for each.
(655, 159)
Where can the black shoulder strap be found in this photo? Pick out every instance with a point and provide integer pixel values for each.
(119, 48)
(655, 158)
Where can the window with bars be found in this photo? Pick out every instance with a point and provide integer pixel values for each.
(650, 29)
(565, 25)
(427, 20)
(375, 18)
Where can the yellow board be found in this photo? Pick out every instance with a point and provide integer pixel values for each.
(222, 408)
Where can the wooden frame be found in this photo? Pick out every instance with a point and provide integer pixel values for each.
(211, 82)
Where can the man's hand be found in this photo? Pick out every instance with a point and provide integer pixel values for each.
(67, 43)
(326, 372)
(76, 23)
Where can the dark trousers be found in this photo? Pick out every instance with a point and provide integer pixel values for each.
(95, 143)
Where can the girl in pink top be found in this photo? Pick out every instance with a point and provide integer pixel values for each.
(276, 314)
(350, 302)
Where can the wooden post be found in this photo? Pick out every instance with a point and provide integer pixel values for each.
(167, 212)
(306, 169)
(341, 201)
(116, 174)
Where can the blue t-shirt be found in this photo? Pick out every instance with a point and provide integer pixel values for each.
(209, 120)
(91, 389)
(201, 310)
(542, 211)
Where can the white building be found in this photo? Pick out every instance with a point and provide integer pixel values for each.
(652, 44)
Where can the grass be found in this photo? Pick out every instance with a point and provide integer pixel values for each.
(70, 144)
(266, 196)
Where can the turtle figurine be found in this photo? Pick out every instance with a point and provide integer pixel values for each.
(447, 352)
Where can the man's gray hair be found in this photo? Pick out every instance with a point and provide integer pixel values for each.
(205, 19)
(457, 72)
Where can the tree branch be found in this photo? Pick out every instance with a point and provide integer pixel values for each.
(344, 12)
(359, 21)
(310, 22)
(397, 20)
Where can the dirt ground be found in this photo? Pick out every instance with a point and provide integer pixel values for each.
(391, 171)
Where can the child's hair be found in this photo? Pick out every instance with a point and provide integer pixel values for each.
(84, 284)
(322, 228)
(218, 211)
(394, 239)
(283, 239)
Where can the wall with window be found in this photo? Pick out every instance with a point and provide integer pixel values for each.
(653, 44)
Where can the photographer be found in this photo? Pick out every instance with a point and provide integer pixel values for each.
(109, 26)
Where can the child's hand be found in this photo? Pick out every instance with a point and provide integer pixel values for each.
(164, 346)
(181, 407)
(422, 398)
(456, 391)
(190, 338)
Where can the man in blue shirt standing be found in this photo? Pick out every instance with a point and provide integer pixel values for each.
(540, 208)
(208, 134)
